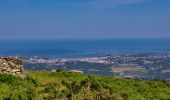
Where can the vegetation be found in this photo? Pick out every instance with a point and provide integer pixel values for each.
(165, 71)
(62, 85)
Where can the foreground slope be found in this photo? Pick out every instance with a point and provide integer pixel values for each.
(64, 85)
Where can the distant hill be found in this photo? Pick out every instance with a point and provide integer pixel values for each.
(62, 85)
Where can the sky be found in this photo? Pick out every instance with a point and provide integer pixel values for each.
(84, 19)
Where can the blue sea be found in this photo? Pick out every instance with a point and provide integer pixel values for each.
(82, 48)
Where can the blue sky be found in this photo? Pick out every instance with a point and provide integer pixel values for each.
(87, 19)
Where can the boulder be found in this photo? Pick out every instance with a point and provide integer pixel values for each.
(12, 66)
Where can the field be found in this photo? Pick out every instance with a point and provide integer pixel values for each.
(165, 71)
(123, 69)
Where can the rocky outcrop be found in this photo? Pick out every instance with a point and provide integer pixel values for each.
(12, 66)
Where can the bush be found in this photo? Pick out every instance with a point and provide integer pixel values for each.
(64, 85)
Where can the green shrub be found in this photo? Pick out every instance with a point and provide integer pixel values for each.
(62, 85)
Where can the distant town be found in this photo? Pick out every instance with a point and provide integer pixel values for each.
(146, 66)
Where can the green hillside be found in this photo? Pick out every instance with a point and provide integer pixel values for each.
(61, 85)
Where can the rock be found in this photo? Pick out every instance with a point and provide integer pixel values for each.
(12, 66)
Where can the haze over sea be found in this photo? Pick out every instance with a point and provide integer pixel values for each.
(82, 48)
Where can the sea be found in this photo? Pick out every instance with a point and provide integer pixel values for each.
(82, 48)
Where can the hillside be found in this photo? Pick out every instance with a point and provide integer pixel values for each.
(62, 85)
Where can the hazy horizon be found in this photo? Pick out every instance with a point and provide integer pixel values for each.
(82, 39)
